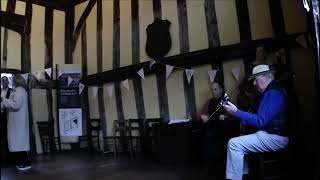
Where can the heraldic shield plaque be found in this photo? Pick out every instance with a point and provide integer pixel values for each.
(158, 39)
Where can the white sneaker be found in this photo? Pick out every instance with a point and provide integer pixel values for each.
(23, 167)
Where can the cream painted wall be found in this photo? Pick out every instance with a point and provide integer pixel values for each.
(37, 43)
(20, 7)
(198, 37)
(150, 95)
(202, 85)
(176, 99)
(110, 108)
(125, 33)
(77, 56)
(37, 38)
(107, 35)
(14, 54)
(58, 37)
(129, 102)
(93, 103)
(145, 18)
(39, 101)
(92, 41)
(169, 12)
(227, 22)
(260, 20)
(231, 84)
(292, 12)
(4, 5)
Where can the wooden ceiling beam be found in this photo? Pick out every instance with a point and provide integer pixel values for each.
(62, 5)
(13, 21)
(81, 23)
(196, 58)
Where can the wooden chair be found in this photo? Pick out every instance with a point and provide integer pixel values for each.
(148, 137)
(48, 144)
(269, 166)
(119, 134)
(134, 131)
(93, 135)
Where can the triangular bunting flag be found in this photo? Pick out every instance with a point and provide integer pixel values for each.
(302, 41)
(152, 62)
(48, 71)
(168, 70)
(59, 73)
(69, 80)
(125, 83)
(236, 73)
(212, 74)
(141, 73)
(95, 92)
(189, 73)
(110, 90)
(37, 74)
(25, 76)
(81, 87)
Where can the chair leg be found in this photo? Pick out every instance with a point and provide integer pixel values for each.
(115, 150)
(99, 142)
(131, 147)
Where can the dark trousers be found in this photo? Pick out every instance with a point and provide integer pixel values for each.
(21, 158)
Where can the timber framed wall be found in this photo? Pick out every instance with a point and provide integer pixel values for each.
(107, 36)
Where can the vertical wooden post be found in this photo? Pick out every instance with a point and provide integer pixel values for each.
(48, 38)
(99, 63)
(137, 85)
(69, 28)
(160, 75)
(11, 5)
(189, 91)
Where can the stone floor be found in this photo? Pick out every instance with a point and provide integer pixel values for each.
(85, 166)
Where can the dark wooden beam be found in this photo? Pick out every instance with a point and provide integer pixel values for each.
(186, 60)
(13, 21)
(69, 27)
(243, 20)
(11, 5)
(48, 63)
(137, 85)
(85, 96)
(99, 63)
(277, 19)
(189, 91)
(61, 5)
(212, 26)
(116, 59)
(76, 2)
(48, 38)
(161, 75)
(244, 30)
(25, 40)
(80, 24)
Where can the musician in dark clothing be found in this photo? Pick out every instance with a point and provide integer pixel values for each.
(217, 131)
(5, 93)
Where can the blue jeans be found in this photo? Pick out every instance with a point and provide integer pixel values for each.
(258, 142)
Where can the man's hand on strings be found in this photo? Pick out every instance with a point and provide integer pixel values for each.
(230, 108)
